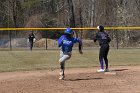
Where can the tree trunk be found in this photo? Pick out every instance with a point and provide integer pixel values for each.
(72, 16)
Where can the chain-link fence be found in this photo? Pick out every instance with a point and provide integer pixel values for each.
(18, 40)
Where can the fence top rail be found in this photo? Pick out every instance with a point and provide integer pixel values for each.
(88, 28)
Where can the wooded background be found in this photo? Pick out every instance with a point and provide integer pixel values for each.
(73, 13)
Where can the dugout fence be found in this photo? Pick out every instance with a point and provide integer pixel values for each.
(17, 38)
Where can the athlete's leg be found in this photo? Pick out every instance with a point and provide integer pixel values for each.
(62, 68)
(101, 58)
(105, 56)
(106, 62)
(63, 58)
(31, 45)
(62, 63)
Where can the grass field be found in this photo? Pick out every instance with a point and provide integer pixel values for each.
(36, 72)
(48, 59)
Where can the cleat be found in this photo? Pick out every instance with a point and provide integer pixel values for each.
(61, 77)
(106, 70)
(100, 70)
(61, 73)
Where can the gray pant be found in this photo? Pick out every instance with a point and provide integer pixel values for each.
(63, 58)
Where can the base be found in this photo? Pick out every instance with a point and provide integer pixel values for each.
(110, 73)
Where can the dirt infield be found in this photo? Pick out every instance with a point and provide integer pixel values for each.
(78, 80)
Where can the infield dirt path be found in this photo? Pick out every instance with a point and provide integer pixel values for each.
(78, 80)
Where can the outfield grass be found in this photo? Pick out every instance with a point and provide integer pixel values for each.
(42, 59)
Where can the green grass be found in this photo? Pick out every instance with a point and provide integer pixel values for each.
(42, 59)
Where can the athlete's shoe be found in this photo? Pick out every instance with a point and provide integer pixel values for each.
(100, 70)
(106, 70)
(61, 77)
(61, 73)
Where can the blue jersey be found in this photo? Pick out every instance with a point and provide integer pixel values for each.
(67, 43)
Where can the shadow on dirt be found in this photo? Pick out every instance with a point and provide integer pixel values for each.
(78, 79)
(119, 70)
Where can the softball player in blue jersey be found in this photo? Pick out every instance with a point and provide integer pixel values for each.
(66, 42)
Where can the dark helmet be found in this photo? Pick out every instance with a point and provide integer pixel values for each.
(68, 31)
(100, 28)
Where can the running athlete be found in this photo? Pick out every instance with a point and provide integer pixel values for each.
(66, 43)
(104, 40)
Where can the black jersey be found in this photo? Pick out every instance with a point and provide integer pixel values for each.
(31, 37)
(102, 37)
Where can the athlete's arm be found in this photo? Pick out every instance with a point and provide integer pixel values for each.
(60, 41)
(80, 44)
(80, 48)
(108, 38)
(95, 38)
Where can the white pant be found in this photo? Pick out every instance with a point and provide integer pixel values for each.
(64, 56)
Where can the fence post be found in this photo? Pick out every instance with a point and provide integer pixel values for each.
(10, 40)
(46, 41)
(117, 40)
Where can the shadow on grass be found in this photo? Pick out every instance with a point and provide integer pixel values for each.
(79, 79)
(119, 70)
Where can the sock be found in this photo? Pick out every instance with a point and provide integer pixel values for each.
(62, 67)
(101, 63)
(106, 63)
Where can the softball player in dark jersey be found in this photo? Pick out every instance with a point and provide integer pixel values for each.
(103, 40)
(31, 39)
